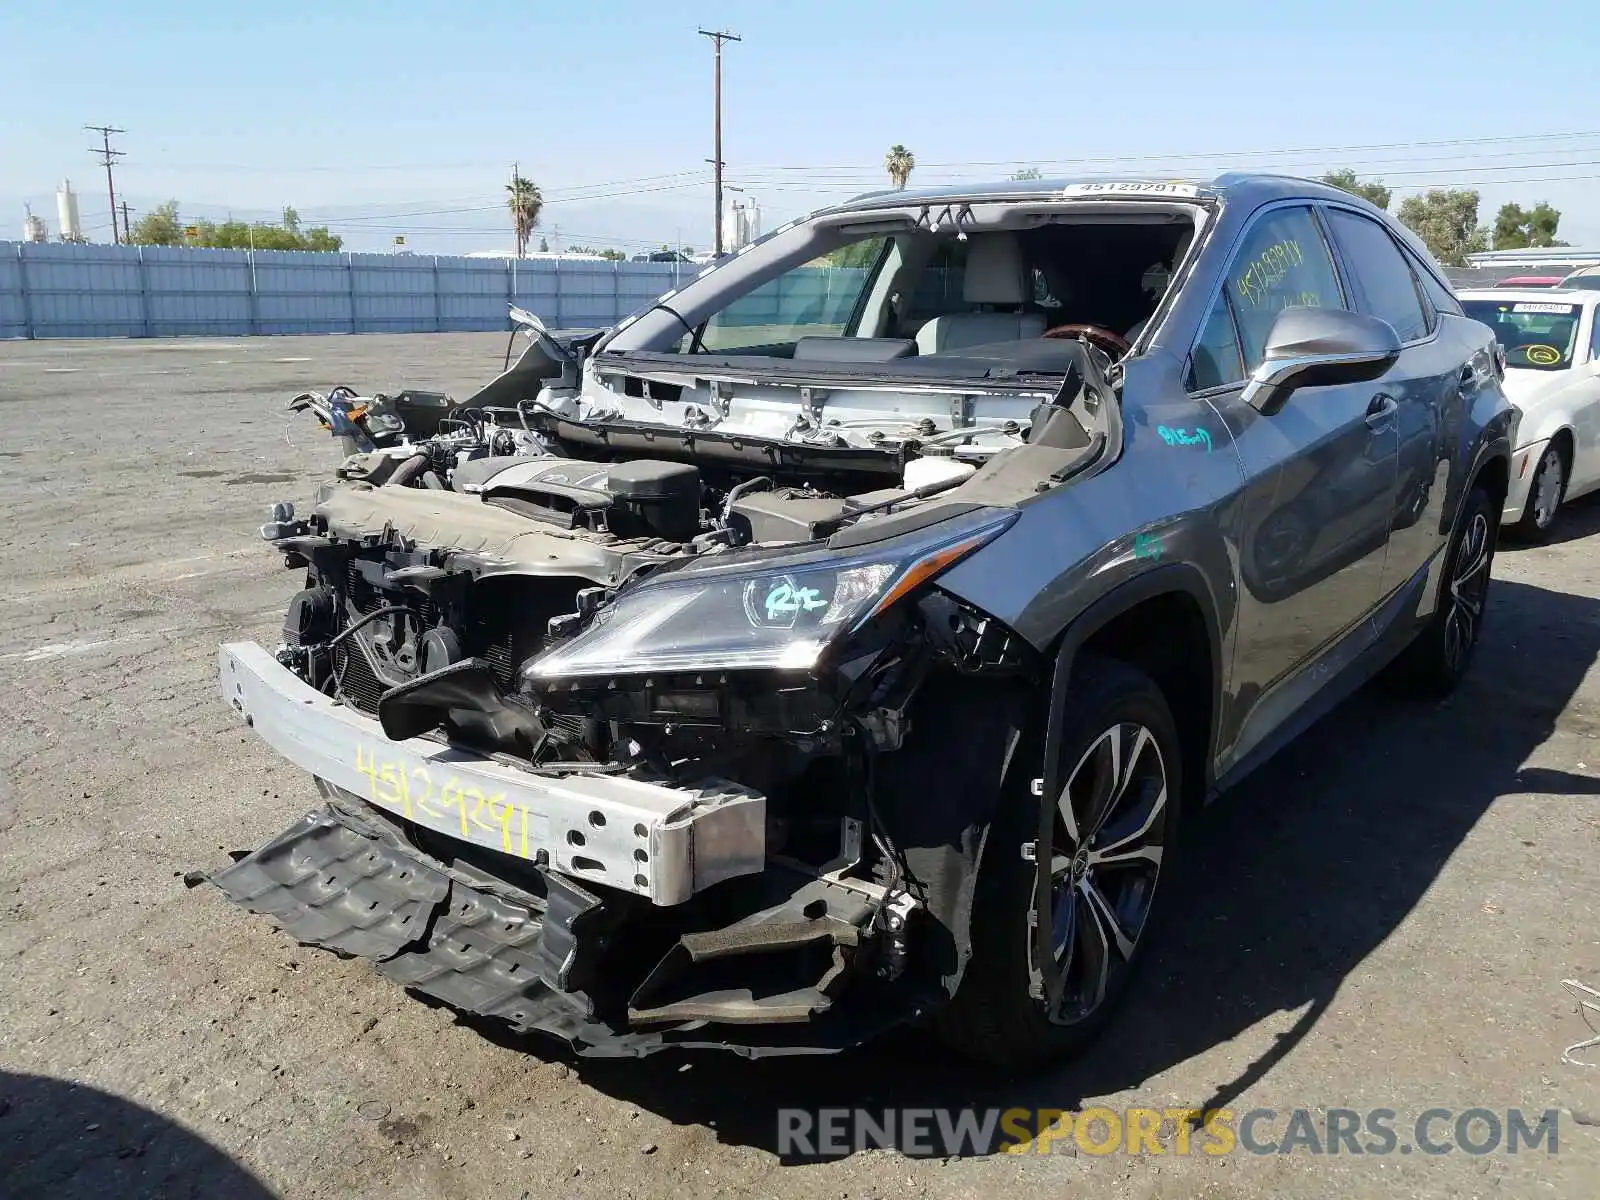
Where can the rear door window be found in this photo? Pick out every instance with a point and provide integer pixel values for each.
(1381, 278)
(1283, 263)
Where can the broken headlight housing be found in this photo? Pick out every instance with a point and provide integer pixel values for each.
(776, 611)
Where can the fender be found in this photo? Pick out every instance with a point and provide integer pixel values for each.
(1159, 581)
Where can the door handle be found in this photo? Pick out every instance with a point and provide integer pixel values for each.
(1381, 411)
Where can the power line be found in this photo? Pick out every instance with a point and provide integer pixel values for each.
(107, 157)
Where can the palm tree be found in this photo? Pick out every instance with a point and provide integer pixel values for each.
(525, 201)
(899, 162)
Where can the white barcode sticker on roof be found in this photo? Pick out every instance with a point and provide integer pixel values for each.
(1528, 306)
(1130, 188)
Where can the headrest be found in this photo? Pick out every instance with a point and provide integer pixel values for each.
(994, 270)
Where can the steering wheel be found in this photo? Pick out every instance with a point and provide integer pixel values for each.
(1112, 343)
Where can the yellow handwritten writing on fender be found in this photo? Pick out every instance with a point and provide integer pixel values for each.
(446, 805)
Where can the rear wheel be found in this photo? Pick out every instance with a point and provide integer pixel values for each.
(1546, 493)
(1115, 827)
(1435, 662)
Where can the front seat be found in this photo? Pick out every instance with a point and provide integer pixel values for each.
(993, 276)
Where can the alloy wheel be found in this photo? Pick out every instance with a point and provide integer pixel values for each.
(1111, 834)
(1469, 585)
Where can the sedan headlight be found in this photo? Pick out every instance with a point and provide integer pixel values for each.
(778, 611)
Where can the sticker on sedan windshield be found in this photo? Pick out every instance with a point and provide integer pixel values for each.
(1130, 188)
(1183, 437)
(1541, 356)
(1529, 306)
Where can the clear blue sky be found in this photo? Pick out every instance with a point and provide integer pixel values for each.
(356, 111)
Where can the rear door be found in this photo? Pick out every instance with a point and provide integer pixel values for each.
(1319, 474)
(1428, 387)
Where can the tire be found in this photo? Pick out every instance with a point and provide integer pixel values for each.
(994, 1019)
(1547, 491)
(1434, 663)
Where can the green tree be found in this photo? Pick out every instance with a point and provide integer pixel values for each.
(158, 227)
(899, 162)
(1022, 173)
(613, 255)
(1447, 222)
(526, 202)
(1517, 228)
(236, 235)
(319, 238)
(1373, 190)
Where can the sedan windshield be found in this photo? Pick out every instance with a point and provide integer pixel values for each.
(1538, 335)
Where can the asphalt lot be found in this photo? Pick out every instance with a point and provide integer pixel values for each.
(1380, 918)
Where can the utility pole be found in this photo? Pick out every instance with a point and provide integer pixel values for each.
(107, 157)
(127, 230)
(717, 39)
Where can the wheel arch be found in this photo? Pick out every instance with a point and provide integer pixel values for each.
(1120, 621)
(1126, 623)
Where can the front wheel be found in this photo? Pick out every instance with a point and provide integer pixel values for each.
(1546, 492)
(1115, 826)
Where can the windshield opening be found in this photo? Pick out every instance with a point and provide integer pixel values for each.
(1536, 335)
(990, 285)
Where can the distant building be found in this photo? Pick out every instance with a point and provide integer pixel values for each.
(33, 229)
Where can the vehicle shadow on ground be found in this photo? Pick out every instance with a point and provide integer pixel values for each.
(1287, 884)
(65, 1140)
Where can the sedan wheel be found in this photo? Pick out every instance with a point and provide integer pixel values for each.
(1545, 495)
(1110, 839)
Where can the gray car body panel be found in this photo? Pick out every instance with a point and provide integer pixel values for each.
(1191, 505)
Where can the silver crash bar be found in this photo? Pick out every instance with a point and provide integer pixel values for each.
(661, 842)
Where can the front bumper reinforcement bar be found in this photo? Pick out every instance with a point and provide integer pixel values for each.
(660, 842)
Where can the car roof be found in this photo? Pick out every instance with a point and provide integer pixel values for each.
(1246, 186)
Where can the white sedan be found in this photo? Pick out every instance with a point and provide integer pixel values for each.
(1552, 345)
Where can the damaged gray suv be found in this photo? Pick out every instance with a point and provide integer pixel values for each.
(873, 611)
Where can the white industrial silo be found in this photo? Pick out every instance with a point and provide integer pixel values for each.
(67, 213)
(33, 229)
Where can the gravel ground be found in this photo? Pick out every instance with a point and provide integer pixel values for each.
(1380, 918)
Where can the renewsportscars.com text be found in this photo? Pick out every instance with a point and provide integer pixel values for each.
(836, 1132)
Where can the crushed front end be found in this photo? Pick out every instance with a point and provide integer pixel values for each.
(632, 790)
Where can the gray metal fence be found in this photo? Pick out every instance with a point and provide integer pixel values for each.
(55, 290)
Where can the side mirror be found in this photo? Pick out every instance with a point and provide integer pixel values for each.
(1312, 347)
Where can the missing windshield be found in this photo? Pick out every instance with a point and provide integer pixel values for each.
(886, 291)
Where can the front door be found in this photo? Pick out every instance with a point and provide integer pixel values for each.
(1313, 523)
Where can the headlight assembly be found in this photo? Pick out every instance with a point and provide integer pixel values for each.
(776, 611)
